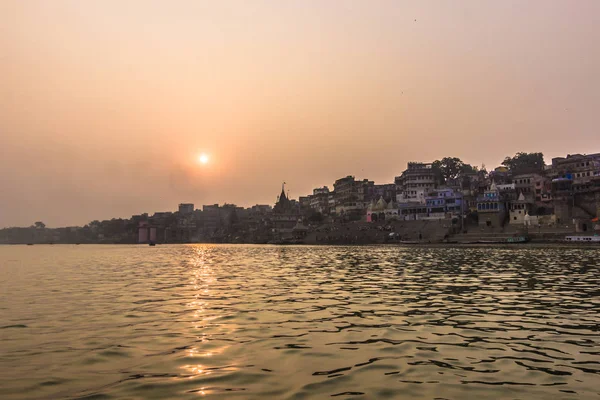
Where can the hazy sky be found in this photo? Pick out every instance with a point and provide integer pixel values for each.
(105, 104)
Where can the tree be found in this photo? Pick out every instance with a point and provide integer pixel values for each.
(40, 225)
(525, 163)
(448, 168)
(468, 169)
(436, 167)
(316, 217)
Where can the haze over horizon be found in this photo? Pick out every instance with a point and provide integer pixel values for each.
(105, 106)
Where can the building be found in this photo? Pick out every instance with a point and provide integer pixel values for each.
(211, 218)
(386, 190)
(304, 202)
(331, 202)
(444, 203)
(382, 211)
(146, 233)
(575, 186)
(261, 209)
(321, 190)
(518, 209)
(533, 186)
(285, 217)
(580, 168)
(500, 175)
(350, 197)
(319, 200)
(186, 208)
(412, 210)
(415, 181)
(491, 207)
(577, 165)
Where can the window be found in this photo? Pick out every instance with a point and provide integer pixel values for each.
(519, 212)
(515, 218)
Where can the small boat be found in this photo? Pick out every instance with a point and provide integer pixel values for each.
(151, 244)
(517, 239)
(583, 239)
(29, 244)
(508, 240)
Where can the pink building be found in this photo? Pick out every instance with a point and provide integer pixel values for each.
(146, 233)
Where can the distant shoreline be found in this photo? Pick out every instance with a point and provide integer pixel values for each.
(529, 245)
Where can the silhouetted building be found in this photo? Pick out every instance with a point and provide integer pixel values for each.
(284, 217)
(186, 208)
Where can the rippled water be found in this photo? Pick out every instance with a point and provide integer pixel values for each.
(298, 322)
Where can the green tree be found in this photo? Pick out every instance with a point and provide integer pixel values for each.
(525, 163)
(40, 225)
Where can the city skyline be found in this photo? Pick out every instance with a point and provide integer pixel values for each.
(190, 205)
(109, 105)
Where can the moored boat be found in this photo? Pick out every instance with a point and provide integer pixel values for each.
(583, 239)
(508, 240)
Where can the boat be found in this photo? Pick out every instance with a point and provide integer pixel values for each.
(151, 244)
(583, 239)
(517, 239)
(508, 240)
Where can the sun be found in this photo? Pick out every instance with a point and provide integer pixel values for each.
(203, 158)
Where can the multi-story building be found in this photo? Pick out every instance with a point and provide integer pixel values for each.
(211, 215)
(186, 208)
(580, 168)
(575, 186)
(412, 210)
(304, 202)
(417, 180)
(345, 191)
(443, 203)
(491, 207)
(331, 202)
(534, 186)
(319, 200)
(351, 197)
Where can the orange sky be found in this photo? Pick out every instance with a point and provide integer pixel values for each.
(105, 104)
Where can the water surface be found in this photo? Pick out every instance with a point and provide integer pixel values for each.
(220, 321)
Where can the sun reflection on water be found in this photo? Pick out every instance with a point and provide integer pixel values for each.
(202, 278)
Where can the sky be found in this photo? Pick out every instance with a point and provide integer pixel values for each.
(105, 105)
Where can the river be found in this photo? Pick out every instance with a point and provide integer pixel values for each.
(257, 322)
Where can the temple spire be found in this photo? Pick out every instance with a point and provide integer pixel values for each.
(282, 195)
